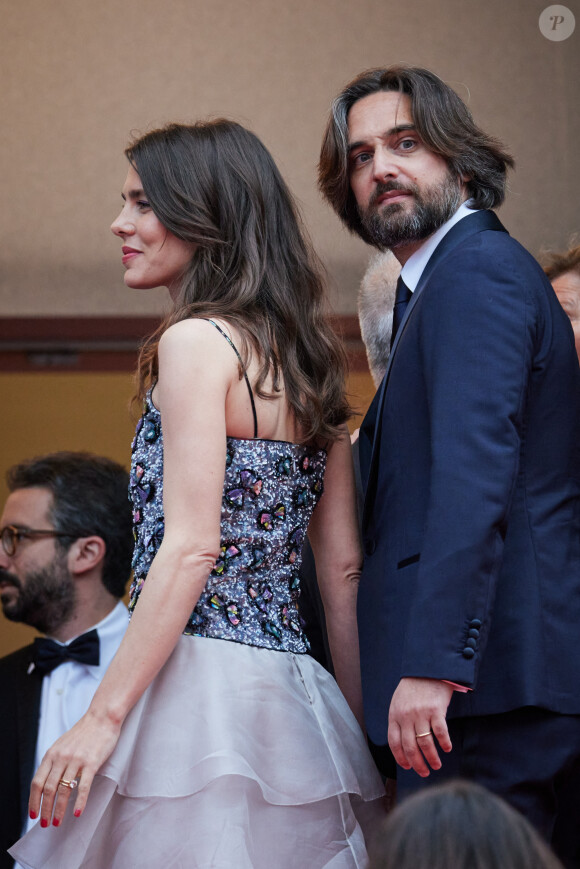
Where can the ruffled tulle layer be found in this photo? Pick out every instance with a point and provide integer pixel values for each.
(234, 757)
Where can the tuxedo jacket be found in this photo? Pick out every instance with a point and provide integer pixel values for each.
(470, 457)
(20, 705)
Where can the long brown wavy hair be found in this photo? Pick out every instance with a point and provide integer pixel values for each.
(216, 185)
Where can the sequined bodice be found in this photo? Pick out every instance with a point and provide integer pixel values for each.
(270, 490)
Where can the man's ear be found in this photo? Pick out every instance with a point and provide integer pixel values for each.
(86, 553)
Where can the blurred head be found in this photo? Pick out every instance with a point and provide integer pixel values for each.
(385, 117)
(79, 504)
(459, 825)
(563, 271)
(376, 299)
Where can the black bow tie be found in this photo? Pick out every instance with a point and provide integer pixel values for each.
(47, 654)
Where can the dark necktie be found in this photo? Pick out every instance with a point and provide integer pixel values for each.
(47, 654)
(402, 298)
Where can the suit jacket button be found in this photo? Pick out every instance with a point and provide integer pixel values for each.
(475, 623)
(473, 633)
(370, 546)
(471, 643)
(468, 652)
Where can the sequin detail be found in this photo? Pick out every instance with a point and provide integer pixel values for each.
(270, 490)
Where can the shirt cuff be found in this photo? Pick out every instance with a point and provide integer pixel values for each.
(463, 689)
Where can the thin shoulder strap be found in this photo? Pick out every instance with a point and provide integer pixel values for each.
(235, 349)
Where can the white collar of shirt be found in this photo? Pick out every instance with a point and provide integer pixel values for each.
(415, 265)
(108, 630)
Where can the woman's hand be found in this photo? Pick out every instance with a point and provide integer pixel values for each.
(76, 756)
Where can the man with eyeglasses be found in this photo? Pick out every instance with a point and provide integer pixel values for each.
(65, 558)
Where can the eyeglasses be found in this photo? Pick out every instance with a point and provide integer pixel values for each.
(11, 536)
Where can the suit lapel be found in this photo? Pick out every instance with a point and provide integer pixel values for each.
(28, 710)
(479, 221)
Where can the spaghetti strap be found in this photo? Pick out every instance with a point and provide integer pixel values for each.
(235, 349)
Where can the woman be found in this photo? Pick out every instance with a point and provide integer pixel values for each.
(217, 740)
(459, 825)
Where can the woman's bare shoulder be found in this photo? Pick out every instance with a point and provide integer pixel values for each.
(197, 338)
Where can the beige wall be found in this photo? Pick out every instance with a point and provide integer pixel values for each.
(45, 412)
(78, 76)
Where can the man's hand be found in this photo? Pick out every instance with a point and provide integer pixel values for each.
(417, 721)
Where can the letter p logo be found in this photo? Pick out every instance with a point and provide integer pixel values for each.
(557, 23)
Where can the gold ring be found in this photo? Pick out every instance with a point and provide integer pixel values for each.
(419, 735)
(69, 784)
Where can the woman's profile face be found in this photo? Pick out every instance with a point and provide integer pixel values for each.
(152, 256)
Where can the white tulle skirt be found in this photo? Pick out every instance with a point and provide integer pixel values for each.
(235, 758)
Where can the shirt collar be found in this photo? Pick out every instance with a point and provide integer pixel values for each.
(415, 265)
(109, 630)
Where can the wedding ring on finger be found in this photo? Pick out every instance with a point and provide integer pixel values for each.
(72, 784)
(419, 735)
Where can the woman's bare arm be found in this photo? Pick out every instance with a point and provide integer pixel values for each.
(334, 536)
(196, 370)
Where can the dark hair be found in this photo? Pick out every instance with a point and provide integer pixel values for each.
(216, 185)
(459, 825)
(558, 264)
(90, 496)
(444, 124)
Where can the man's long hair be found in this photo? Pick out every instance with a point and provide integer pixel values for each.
(443, 123)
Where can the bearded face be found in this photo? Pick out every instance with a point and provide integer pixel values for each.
(43, 598)
(391, 225)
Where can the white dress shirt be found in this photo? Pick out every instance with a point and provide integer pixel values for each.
(415, 265)
(68, 690)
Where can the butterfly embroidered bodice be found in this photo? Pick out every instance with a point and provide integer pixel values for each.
(270, 490)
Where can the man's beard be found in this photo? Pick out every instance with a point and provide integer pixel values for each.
(46, 599)
(395, 226)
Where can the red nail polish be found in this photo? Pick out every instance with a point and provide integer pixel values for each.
(55, 822)
(43, 822)
(33, 815)
(77, 813)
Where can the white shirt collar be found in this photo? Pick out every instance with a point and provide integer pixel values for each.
(415, 265)
(108, 630)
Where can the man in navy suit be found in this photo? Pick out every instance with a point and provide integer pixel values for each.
(469, 603)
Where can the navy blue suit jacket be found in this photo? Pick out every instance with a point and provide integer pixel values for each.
(470, 455)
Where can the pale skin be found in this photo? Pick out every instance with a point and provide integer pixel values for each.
(385, 146)
(567, 288)
(200, 404)
(31, 508)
